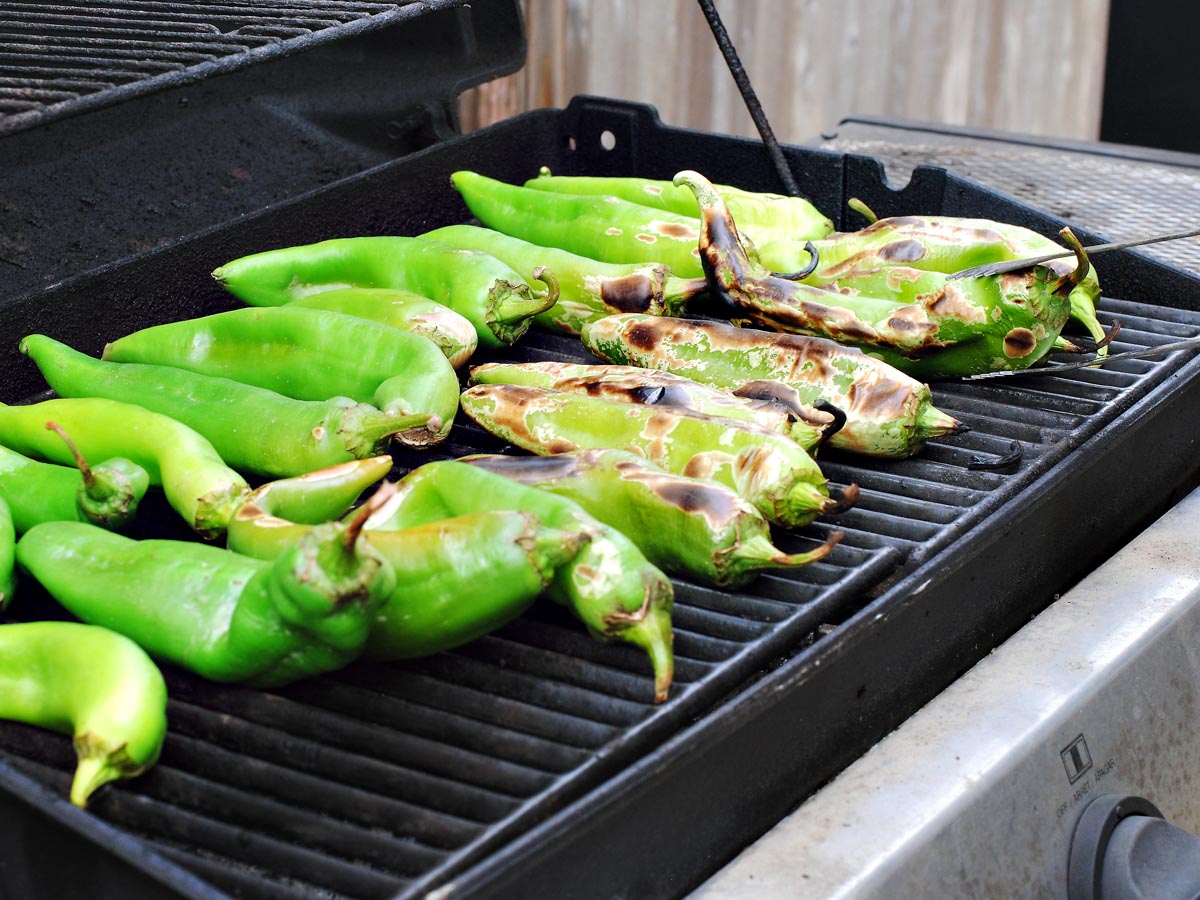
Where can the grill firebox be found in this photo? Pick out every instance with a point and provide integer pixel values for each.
(531, 761)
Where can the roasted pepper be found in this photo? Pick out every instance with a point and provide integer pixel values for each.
(224, 616)
(587, 289)
(197, 482)
(888, 414)
(607, 229)
(452, 332)
(771, 471)
(688, 527)
(958, 328)
(497, 301)
(253, 429)
(609, 585)
(93, 684)
(106, 495)
(807, 426)
(764, 217)
(310, 354)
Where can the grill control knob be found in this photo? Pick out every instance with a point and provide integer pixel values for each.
(1123, 849)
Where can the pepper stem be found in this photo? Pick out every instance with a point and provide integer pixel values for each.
(372, 505)
(863, 210)
(89, 477)
(1082, 265)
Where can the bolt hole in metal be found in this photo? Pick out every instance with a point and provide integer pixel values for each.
(571, 144)
(608, 140)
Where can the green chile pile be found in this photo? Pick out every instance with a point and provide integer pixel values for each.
(682, 455)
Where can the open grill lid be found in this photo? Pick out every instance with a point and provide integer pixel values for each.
(530, 762)
(125, 124)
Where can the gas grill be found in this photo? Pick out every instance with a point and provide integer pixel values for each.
(532, 762)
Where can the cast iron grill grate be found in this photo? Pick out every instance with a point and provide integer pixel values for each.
(60, 59)
(382, 778)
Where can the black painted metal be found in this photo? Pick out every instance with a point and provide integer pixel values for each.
(530, 762)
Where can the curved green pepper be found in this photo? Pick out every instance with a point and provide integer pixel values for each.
(90, 683)
(609, 585)
(197, 482)
(960, 328)
(106, 495)
(686, 526)
(224, 616)
(255, 430)
(764, 217)
(452, 332)
(587, 289)
(310, 354)
(490, 294)
(888, 413)
(769, 470)
(631, 384)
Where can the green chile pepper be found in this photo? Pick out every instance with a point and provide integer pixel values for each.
(609, 585)
(106, 495)
(764, 217)
(452, 332)
(960, 328)
(497, 301)
(588, 289)
(771, 471)
(8, 550)
(90, 683)
(607, 229)
(197, 482)
(253, 429)
(888, 414)
(630, 384)
(310, 354)
(945, 244)
(685, 526)
(456, 579)
(224, 616)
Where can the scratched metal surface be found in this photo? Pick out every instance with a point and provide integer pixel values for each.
(1122, 192)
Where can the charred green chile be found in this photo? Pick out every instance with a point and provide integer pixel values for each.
(888, 413)
(610, 585)
(630, 384)
(688, 527)
(769, 470)
(588, 289)
(497, 301)
(310, 354)
(90, 683)
(958, 328)
(253, 429)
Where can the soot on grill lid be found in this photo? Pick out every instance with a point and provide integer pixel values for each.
(125, 124)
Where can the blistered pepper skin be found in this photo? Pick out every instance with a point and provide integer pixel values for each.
(610, 585)
(771, 471)
(93, 684)
(588, 289)
(630, 384)
(956, 328)
(888, 414)
(695, 529)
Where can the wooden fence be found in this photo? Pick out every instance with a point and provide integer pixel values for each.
(1013, 65)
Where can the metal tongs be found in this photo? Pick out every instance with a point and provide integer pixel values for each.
(1013, 265)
